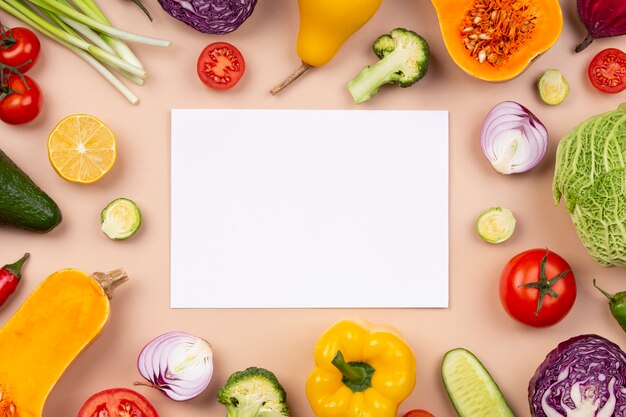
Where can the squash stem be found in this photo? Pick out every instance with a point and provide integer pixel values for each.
(111, 280)
(294, 76)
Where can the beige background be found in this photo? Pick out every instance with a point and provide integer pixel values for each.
(282, 340)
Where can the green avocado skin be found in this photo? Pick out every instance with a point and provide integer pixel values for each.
(22, 203)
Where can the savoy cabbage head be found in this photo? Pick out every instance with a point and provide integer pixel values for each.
(590, 175)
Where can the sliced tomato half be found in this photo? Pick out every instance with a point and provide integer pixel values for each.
(220, 65)
(418, 413)
(607, 71)
(117, 402)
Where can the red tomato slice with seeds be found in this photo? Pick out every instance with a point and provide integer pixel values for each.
(418, 413)
(607, 71)
(220, 66)
(117, 402)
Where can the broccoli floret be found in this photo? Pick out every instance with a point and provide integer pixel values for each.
(403, 61)
(254, 392)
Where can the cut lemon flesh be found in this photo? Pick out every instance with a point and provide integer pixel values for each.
(471, 388)
(81, 148)
(120, 219)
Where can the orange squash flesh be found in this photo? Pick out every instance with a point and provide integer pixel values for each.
(55, 323)
(510, 33)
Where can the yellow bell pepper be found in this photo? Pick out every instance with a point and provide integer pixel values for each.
(360, 371)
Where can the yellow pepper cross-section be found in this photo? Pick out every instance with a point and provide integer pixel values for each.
(360, 371)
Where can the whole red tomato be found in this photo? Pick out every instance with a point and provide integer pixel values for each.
(19, 48)
(117, 402)
(607, 71)
(537, 288)
(418, 413)
(22, 102)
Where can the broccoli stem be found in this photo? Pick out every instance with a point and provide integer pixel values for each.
(367, 83)
(250, 409)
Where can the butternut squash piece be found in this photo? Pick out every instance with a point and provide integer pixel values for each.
(55, 323)
(496, 40)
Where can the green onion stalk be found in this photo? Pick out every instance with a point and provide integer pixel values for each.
(82, 27)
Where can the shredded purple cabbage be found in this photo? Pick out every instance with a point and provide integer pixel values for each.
(210, 16)
(584, 376)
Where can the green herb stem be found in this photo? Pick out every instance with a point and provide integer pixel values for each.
(132, 78)
(102, 55)
(60, 23)
(108, 75)
(123, 51)
(88, 10)
(114, 61)
(91, 9)
(88, 34)
(28, 16)
(73, 14)
(83, 28)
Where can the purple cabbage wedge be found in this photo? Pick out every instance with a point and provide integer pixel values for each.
(584, 376)
(602, 18)
(210, 16)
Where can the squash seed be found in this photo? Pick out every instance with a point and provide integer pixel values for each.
(504, 24)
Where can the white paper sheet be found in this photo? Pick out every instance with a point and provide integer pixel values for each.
(309, 208)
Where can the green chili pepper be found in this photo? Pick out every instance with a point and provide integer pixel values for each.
(617, 304)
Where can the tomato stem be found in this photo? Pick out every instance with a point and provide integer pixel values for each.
(7, 39)
(544, 285)
(5, 73)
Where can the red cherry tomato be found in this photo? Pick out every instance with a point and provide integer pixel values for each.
(531, 299)
(19, 47)
(220, 65)
(23, 102)
(117, 402)
(607, 71)
(418, 413)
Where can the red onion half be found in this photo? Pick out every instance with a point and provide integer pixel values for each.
(178, 364)
(512, 138)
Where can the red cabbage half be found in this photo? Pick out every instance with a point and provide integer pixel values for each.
(210, 16)
(584, 376)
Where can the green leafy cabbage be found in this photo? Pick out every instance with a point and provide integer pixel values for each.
(590, 175)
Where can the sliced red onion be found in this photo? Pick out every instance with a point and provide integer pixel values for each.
(512, 138)
(178, 364)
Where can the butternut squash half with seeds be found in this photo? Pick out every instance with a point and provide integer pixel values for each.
(57, 321)
(496, 40)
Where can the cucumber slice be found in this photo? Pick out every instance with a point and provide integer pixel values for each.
(496, 224)
(120, 219)
(471, 389)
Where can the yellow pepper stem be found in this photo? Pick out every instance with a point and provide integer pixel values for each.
(356, 375)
